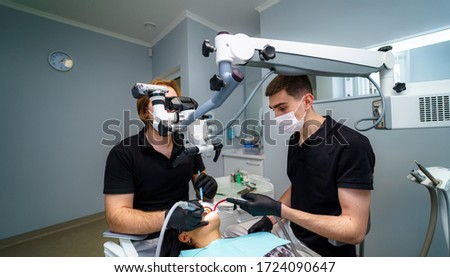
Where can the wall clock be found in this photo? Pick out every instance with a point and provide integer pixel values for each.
(60, 60)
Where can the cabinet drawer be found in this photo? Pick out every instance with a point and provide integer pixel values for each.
(252, 166)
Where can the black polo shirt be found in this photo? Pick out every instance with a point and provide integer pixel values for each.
(134, 166)
(335, 156)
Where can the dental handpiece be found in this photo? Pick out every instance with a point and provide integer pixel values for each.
(188, 206)
(239, 198)
(223, 200)
(201, 189)
(417, 175)
(427, 173)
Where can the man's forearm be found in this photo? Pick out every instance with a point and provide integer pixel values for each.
(340, 228)
(132, 221)
(286, 197)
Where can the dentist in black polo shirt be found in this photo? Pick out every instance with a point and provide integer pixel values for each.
(140, 184)
(330, 167)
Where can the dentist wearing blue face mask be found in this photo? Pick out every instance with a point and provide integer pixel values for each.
(330, 167)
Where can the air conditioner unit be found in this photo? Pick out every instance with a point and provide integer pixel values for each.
(421, 105)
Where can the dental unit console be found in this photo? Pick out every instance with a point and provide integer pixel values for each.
(296, 58)
(437, 181)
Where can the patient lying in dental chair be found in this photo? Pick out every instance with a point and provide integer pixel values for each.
(207, 241)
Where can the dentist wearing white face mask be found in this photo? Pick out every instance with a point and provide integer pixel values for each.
(330, 167)
(288, 122)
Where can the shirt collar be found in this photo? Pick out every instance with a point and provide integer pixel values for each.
(144, 144)
(318, 136)
(325, 130)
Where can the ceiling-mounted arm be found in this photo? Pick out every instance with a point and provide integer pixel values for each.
(297, 58)
(300, 58)
(290, 58)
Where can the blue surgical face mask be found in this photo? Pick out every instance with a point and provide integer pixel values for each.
(289, 123)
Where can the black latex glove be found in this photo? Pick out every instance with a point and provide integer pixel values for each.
(263, 225)
(185, 220)
(208, 184)
(258, 204)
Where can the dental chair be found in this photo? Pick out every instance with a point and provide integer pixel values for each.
(228, 214)
(125, 248)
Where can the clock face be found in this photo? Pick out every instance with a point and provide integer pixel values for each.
(60, 60)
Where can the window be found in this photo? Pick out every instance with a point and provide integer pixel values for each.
(419, 59)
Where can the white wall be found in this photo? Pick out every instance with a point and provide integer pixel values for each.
(400, 208)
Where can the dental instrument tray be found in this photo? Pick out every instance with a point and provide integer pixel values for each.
(247, 189)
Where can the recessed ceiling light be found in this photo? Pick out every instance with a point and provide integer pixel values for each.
(418, 41)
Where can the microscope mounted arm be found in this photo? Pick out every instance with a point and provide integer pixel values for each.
(296, 58)
(289, 58)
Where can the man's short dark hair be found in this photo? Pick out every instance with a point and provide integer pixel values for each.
(295, 86)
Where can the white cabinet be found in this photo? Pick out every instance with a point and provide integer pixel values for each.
(234, 159)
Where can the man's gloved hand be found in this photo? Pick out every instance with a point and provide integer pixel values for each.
(208, 184)
(258, 204)
(263, 225)
(186, 220)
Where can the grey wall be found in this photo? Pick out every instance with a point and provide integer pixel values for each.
(399, 208)
(182, 48)
(199, 70)
(52, 160)
(59, 127)
(170, 52)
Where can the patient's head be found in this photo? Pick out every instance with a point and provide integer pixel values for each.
(176, 240)
(204, 235)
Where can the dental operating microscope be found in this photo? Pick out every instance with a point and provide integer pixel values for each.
(169, 115)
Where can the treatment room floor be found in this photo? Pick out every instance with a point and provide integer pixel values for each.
(85, 240)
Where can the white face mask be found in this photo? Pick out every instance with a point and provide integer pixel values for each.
(289, 123)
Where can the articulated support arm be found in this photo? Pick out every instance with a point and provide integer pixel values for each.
(291, 58)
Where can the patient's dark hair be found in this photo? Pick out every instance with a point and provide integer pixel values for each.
(171, 246)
